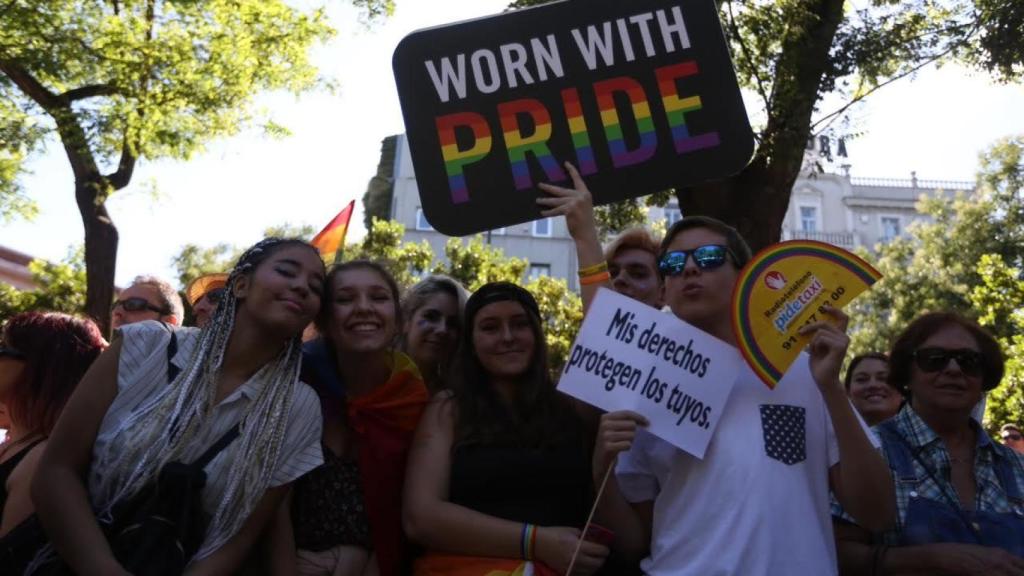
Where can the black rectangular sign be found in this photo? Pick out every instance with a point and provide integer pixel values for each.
(640, 95)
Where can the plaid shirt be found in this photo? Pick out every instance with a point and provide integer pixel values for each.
(930, 448)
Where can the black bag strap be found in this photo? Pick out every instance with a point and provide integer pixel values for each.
(172, 349)
(217, 447)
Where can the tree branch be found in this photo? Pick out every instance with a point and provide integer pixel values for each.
(746, 53)
(31, 87)
(831, 117)
(90, 91)
(125, 167)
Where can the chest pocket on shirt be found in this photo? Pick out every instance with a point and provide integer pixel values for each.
(784, 430)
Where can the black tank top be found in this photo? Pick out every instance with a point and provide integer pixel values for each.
(8, 466)
(543, 486)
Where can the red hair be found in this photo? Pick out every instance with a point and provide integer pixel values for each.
(58, 349)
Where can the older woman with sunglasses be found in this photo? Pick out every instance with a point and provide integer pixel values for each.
(959, 494)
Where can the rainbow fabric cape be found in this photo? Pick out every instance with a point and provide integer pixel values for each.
(784, 287)
(451, 565)
(330, 240)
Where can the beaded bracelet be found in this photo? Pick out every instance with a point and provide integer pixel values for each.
(597, 278)
(591, 270)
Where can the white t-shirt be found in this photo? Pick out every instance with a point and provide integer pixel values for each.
(142, 369)
(758, 503)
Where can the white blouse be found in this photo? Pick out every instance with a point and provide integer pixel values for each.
(142, 370)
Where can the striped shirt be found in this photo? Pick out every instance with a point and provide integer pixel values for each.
(142, 370)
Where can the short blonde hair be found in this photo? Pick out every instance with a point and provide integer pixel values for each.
(638, 238)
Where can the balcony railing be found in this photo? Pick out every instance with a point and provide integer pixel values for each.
(912, 183)
(841, 239)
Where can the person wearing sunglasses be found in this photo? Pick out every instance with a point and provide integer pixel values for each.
(1012, 437)
(757, 504)
(148, 298)
(204, 294)
(959, 493)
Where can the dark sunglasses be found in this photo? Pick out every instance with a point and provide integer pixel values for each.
(971, 362)
(1012, 436)
(705, 257)
(215, 295)
(137, 305)
(11, 353)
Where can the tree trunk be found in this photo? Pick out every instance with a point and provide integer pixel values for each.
(100, 252)
(755, 200)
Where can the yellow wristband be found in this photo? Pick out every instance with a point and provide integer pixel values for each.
(591, 270)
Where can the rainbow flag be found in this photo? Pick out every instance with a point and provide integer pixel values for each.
(331, 239)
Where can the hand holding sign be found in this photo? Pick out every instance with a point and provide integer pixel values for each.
(576, 204)
(615, 434)
(828, 346)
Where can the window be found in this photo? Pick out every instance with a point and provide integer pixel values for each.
(421, 221)
(542, 227)
(538, 270)
(672, 215)
(890, 227)
(808, 219)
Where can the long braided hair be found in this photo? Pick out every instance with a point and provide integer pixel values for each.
(166, 427)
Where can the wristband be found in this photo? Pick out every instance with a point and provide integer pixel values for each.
(591, 270)
(527, 540)
(597, 278)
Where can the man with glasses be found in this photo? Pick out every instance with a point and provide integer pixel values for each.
(148, 298)
(204, 294)
(757, 504)
(1012, 437)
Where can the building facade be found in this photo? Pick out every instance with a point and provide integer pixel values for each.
(836, 208)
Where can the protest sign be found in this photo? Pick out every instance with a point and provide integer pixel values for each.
(785, 287)
(639, 95)
(629, 356)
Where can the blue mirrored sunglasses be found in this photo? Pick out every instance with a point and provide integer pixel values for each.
(11, 352)
(706, 257)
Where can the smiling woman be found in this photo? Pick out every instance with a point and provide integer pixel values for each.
(217, 419)
(959, 494)
(499, 478)
(343, 518)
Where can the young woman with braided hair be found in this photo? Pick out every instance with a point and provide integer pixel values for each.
(131, 415)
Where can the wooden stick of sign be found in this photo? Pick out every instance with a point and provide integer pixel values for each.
(590, 517)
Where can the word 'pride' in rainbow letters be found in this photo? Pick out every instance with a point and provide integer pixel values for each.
(519, 144)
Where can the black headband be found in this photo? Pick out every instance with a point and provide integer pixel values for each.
(499, 292)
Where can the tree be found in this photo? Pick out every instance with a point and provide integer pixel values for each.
(61, 288)
(122, 80)
(968, 259)
(789, 53)
(383, 243)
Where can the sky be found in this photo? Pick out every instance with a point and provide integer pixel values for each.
(935, 125)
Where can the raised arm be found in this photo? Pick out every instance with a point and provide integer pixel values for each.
(58, 489)
(439, 525)
(577, 205)
(861, 480)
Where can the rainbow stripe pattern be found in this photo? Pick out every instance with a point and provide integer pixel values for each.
(454, 158)
(825, 259)
(605, 91)
(578, 129)
(676, 108)
(536, 144)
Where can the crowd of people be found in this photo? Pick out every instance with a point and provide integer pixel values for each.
(320, 421)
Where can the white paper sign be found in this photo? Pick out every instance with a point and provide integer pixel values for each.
(629, 356)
